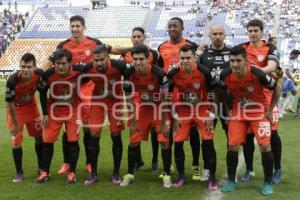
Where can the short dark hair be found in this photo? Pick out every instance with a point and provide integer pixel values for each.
(295, 52)
(140, 29)
(28, 57)
(178, 19)
(100, 49)
(186, 48)
(256, 22)
(238, 50)
(140, 48)
(60, 53)
(78, 18)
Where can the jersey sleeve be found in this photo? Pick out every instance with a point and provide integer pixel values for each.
(120, 65)
(273, 53)
(43, 89)
(11, 83)
(127, 85)
(155, 56)
(210, 81)
(160, 60)
(162, 78)
(171, 73)
(264, 79)
(224, 74)
(83, 68)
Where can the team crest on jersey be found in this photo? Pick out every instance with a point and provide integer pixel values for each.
(260, 57)
(226, 58)
(250, 88)
(150, 86)
(87, 52)
(196, 86)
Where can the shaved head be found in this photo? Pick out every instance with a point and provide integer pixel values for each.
(216, 27)
(217, 36)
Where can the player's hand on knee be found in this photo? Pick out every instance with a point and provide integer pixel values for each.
(165, 130)
(177, 124)
(209, 125)
(269, 116)
(45, 121)
(14, 129)
(134, 127)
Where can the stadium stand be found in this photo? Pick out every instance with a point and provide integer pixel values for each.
(51, 22)
(114, 22)
(40, 48)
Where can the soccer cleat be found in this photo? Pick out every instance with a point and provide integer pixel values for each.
(196, 173)
(138, 165)
(267, 189)
(179, 182)
(39, 171)
(229, 187)
(154, 168)
(90, 180)
(18, 178)
(42, 178)
(88, 168)
(167, 182)
(71, 178)
(64, 169)
(115, 179)
(212, 185)
(247, 176)
(276, 178)
(127, 180)
(204, 175)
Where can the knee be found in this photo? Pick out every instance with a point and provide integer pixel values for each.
(39, 140)
(234, 148)
(16, 146)
(132, 145)
(165, 145)
(96, 134)
(265, 147)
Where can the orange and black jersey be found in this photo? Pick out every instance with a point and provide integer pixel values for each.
(106, 83)
(153, 57)
(81, 52)
(248, 89)
(169, 53)
(260, 56)
(64, 90)
(21, 92)
(152, 83)
(190, 87)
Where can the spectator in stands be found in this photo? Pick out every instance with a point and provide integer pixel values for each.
(10, 25)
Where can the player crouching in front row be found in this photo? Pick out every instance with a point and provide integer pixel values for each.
(250, 110)
(22, 110)
(58, 110)
(193, 107)
(148, 82)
